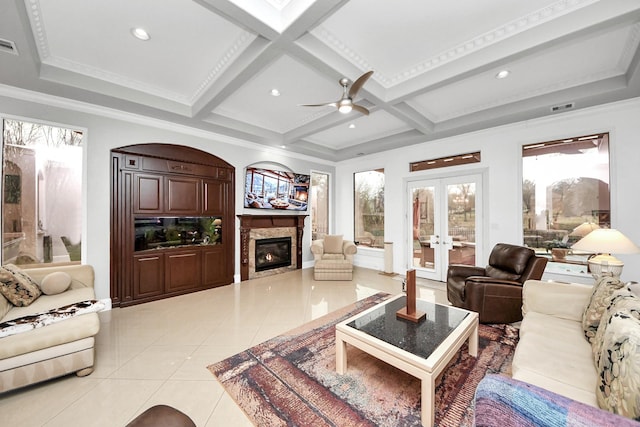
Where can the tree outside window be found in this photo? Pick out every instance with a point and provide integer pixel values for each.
(319, 205)
(369, 208)
(565, 195)
(42, 193)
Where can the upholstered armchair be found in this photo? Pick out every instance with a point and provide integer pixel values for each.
(495, 292)
(333, 258)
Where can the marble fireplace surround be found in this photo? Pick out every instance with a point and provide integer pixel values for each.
(254, 227)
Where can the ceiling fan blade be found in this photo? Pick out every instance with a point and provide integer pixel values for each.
(326, 104)
(355, 87)
(360, 109)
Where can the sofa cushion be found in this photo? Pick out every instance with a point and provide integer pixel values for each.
(619, 299)
(553, 354)
(69, 330)
(333, 244)
(17, 287)
(40, 320)
(511, 259)
(5, 306)
(563, 300)
(598, 303)
(49, 302)
(55, 283)
(501, 274)
(619, 368)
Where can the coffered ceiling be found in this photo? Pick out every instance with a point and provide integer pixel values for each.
(212, 64)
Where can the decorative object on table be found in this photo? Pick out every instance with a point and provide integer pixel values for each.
(409, 312)
(604, 242)
(291, 379)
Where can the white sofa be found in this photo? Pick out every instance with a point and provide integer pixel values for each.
(552, 352)
(582, 342)
(54, 350)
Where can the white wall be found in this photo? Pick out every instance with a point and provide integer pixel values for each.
(107, 129)
(501, 162)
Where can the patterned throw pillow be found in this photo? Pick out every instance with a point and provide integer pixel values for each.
(619, 299)
(17, 287)
(619, 368)
(598, 303)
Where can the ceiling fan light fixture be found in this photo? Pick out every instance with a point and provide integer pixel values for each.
(345, 106)
(140, 34)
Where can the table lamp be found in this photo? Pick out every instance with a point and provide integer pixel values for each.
(584, 229)
(604, 242)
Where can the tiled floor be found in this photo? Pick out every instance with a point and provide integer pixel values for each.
(158, 352)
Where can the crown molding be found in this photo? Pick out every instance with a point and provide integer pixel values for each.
(112, 113)
(481, 41)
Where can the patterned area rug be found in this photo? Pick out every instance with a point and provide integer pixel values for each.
(290, 380)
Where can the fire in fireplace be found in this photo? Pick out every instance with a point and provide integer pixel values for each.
(273, 253)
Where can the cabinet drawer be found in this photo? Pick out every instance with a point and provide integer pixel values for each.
(183, 270)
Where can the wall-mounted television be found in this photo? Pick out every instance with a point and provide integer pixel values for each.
(275, 189)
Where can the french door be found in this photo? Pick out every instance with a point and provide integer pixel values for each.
(444, 224)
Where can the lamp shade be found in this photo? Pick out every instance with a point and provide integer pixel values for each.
(584, 229)
(606, 240)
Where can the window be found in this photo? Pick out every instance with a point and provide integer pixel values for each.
(565, 195)
(369, 208)
(319, 205)
(42, 194)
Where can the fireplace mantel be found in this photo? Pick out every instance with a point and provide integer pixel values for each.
(248, 222)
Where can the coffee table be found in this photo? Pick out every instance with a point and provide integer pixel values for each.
(420, 349)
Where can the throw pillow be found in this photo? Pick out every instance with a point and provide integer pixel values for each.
(333, 244)
(619, 299)
(55, 283)
(619, 368)
(598, 303)
(17, 287)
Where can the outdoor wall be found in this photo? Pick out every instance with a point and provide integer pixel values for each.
(107, 129)
(501, 165)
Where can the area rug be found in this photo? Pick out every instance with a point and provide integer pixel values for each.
(290, 380)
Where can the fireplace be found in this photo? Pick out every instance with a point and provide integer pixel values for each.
(258, 227)
(273, 253)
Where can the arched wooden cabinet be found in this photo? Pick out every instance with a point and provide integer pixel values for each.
(172, 222)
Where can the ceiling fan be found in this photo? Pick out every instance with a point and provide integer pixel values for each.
(346, 104)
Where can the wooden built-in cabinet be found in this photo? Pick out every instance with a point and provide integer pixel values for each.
(155, 181)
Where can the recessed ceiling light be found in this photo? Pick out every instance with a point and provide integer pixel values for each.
(140, 34)
(352, 126)
(275, 92)
(283, 146)
(503, 74)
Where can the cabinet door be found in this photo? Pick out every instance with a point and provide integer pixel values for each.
(148, 275)
(182, 195)
(147, 194)
(213, 197)
(183, 270)
(214, 266)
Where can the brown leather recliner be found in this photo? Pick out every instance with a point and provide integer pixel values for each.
(495, 292)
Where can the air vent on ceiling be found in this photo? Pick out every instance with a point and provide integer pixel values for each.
(8, 46)
(562, 107)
